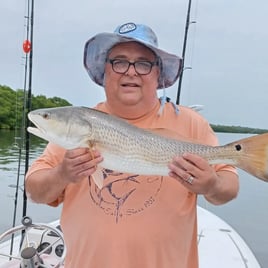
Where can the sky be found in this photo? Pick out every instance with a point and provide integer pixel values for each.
(226, 58)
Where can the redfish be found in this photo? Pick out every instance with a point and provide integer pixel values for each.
(129, 149)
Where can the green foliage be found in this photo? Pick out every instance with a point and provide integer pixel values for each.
(7, 104)
(13, 106)
(41, 101)
(237, 129)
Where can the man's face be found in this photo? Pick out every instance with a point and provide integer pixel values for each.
(131, 88)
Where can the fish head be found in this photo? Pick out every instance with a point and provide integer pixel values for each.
(64, 126)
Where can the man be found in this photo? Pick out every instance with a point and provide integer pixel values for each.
(133, 221)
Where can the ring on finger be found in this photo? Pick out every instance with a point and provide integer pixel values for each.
(190, 179)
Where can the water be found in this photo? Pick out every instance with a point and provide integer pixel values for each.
(9, 163)
(248, 214)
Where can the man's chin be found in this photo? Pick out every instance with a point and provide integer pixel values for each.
(130, 98)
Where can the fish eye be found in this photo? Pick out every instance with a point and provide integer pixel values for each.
(46, 115)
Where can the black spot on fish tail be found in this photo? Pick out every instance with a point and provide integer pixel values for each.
(238, 147)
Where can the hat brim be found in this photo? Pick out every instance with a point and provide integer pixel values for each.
(95, 53)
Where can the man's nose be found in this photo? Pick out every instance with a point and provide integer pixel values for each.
(131, 70)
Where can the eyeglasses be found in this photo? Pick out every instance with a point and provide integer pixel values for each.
(141, 67)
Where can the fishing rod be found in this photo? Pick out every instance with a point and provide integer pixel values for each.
(24, 135)
(188, 22)
(28, 104)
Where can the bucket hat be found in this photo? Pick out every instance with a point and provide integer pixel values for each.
(97, 47)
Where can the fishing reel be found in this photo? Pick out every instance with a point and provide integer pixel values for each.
(34, 246)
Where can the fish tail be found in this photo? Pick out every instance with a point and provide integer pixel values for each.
(253, 155)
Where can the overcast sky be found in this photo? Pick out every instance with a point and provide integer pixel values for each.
(227, 50)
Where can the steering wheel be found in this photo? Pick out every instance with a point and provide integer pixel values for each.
(32, 253)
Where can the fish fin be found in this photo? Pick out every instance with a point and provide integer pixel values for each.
(254, 156)
(98, 177)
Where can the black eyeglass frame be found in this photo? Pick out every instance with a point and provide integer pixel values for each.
(151, 64)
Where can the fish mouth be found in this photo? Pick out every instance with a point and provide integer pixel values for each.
(36, 128)
(31, 118)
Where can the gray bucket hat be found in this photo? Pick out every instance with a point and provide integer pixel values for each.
(96, 49)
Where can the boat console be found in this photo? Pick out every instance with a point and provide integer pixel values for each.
(32, 246)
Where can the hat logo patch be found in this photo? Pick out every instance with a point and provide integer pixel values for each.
(128, 27)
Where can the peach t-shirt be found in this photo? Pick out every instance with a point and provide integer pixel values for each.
(134, 221)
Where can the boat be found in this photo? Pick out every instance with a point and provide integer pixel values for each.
(42, 244)
(32, 245)
(219, 245)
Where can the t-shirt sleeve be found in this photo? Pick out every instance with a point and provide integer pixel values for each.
(51, 157)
